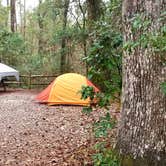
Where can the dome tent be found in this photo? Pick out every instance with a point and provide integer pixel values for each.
(65, 90)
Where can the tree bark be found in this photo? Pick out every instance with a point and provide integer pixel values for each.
(84, 31)
(7, 2)
(63, 43)
(94, 11)
(20, 14)
(7, 20)
(142, 129)
(41, 26)
(13, 15)
(24, 18)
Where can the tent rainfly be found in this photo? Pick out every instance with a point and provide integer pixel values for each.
(65, 90)
(8, 71)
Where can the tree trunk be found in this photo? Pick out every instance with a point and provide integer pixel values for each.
(63, 44)
(7, 4)
(84, 31)
(9, 15)
(142, 130)
(94, 12)
(24, 18)
(20, 14)
(13, 15)
(40, 23)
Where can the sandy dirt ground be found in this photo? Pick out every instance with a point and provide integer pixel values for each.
(33, 134)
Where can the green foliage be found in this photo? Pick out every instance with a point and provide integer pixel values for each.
(113, 14)
(87, 110)
(4, 11)
(104, 124)
(36, 63)
(158, 39)
(87, 91)
(71, 33)
(15, 51)
(155, 39)
(103, 100)
(144, 37)
(140, 29)
(105, 65)
(163, 87)
(104, 59)
(107, 157)
(12, 46)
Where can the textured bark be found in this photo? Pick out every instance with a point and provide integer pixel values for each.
(142, 130)
(94, 8)
(63, 44)
(94, 11)
(13, 15)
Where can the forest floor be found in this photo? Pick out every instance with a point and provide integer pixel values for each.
(33, 134)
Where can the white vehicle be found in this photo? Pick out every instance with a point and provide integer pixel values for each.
(6, 71)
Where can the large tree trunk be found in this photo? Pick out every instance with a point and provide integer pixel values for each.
(63, 65)
(13, 15)
(142, 130)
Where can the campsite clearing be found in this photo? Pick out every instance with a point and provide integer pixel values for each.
(37, 134)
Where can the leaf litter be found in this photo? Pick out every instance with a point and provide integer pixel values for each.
(33, 134)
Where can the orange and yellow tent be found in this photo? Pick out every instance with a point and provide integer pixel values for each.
(65, 90)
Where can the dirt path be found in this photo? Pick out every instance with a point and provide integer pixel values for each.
(32, 134)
